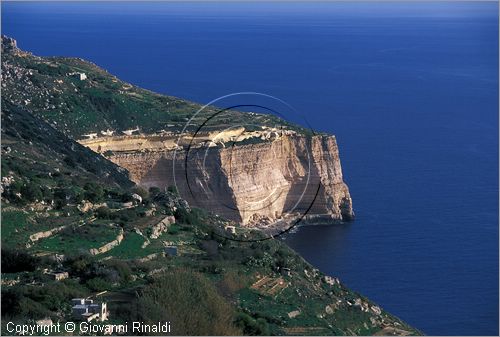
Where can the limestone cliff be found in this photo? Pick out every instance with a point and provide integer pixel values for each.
(254, 183)
(253, 176)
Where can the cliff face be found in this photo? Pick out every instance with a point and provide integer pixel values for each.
(277, 172)
(252, 184)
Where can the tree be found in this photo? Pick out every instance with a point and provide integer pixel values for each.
(14, 261)
(93, 192)
(173, 189)
(144, 194)
(103, 212)
(173, 296)
(97, 284)
(251, 326)
(31, 192)
(60, 195)
(154, 191)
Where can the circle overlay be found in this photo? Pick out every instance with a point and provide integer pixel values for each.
(214, 109)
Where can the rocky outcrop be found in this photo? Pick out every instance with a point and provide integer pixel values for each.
(161, 227)
(42, 235)
(108, 246)
(86, 206)
(9, 45)
(256, 183)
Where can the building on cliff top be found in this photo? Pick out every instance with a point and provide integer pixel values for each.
(90, 135)
(130, 131)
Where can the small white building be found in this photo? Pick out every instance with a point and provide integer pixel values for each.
(231, 229)
(86, 310)
(80, 76)
(58, 275)
(130, 131)
(108, 132)
(91, 135)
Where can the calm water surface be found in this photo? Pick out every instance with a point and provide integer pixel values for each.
(410, 90)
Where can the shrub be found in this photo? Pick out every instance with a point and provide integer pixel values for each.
(185, 217)
(11, 191)
(78, 264)
(126, 215)
(210, 246)
(28, 302)
(32, 309)
(103, 213)
(97, 284)
(231, 283)
(122, 268)
(173, 229)
(251, 326)
(93, 192)
(173, 190)
(31, 192)
(126, 197)
(69, 161)
(47, 193)
(10, 302)
(173, 296)
(60, 197)
(154, 191)
(14, 261)
(141, 191)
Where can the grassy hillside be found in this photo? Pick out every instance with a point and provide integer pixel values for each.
(35, 151)
(247, 288)
(45, 87)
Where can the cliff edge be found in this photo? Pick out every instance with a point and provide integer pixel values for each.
(269, 174)
(253, 184)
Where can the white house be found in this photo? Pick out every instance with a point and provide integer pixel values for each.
(86, 310)
(80, 76)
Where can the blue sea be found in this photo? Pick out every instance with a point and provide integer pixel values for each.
(410, 89)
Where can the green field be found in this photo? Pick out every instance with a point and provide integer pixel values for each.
(75, 239)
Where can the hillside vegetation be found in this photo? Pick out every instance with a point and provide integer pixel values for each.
(67, 209)
(48, 87)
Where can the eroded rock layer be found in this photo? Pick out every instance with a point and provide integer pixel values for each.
(254, 183)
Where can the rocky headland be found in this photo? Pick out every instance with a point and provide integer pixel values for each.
(73, 135)
(290, 175)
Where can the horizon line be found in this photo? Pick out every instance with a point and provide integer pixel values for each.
(249, 1)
